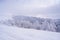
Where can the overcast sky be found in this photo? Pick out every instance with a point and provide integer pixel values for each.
(36, 8)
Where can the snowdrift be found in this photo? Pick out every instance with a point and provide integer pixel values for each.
(15, 33)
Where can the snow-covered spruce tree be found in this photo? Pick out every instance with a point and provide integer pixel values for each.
(36, 25)
(48, 25)
(57, 22)
(53, 26)
(45, 25)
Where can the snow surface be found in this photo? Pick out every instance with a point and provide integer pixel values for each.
(15, 33)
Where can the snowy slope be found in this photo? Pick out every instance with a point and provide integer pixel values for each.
(14, 33)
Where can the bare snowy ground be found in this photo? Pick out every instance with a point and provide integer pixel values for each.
(14, 33)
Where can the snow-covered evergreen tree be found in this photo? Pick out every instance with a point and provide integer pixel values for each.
(33, 23)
